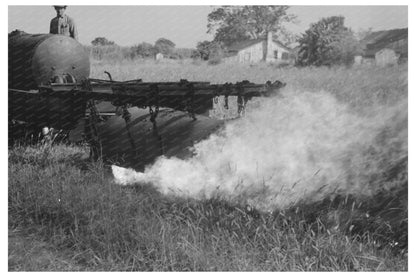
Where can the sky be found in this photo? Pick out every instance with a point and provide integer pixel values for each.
(184, 25)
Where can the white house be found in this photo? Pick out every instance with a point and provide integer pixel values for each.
(384, 48)
(159, 56)
(386, 57)
(254, 51)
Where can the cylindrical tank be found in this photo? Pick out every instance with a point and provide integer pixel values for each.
(139, 142)
(39, 59)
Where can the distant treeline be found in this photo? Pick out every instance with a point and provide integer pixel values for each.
(103, 49)
(119, 53)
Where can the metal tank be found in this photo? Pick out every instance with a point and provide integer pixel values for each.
(38, 59)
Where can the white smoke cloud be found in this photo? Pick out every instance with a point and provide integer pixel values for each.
(302, 146)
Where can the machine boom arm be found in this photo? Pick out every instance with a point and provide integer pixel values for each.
(176, 95)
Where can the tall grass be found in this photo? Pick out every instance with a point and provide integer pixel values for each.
(73, 216)
(106, 227)
(358, 86)
(110, 53)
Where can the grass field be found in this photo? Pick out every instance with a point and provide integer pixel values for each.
(67, 213)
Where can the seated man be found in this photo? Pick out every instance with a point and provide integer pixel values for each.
(63, 24)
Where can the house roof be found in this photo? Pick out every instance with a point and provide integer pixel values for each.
(395, 39)
(244, 44)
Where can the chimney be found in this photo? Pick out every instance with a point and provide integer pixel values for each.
(269, 47)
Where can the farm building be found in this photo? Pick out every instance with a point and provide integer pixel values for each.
(262, 49)
(159, 56)
(384, 47)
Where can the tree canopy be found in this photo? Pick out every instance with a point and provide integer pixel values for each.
(101, 41)
(145, 50)
(164, 46)
(208, 49)
(237, 23)
(327, 42)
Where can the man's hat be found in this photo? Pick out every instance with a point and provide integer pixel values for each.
(60, 7)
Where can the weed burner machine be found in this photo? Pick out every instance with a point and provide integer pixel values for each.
(49, 85)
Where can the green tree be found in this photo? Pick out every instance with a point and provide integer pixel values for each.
(327, 42)
(237, 23)
(183, 53)
(145, 50)
(165, 46)
(208, 49)
(363, 33)
(101, 41)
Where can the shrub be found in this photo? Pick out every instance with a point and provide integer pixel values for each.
(327, 42)
(214, 60)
